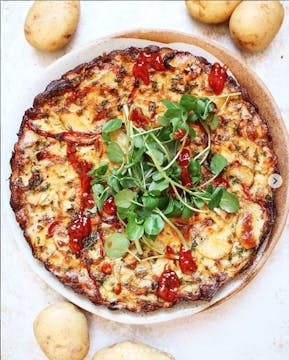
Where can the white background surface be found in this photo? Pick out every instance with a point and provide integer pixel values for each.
(252, 325)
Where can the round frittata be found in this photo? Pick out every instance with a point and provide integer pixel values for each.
(140, 179)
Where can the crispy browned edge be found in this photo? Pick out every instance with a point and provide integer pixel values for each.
(60, 86)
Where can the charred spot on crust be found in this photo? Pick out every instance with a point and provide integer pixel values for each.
(33, 113)
(207, 291)
(133, 53)
(167, 58)
(54, 89)
(152, 49)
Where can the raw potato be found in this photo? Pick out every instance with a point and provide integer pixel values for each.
(211, 12)
(130, 350)
(254, 24)
(49, 25)
(61, 331)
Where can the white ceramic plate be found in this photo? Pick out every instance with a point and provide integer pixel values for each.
(53, 72)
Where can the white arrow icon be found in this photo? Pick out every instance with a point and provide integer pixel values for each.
(275, 181)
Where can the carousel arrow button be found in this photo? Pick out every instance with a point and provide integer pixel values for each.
(275, 181)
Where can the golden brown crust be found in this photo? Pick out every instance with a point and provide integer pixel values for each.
(242, 136)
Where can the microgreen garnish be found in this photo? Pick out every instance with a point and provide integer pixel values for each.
(100, 194)
(218, 163)
(153, 224)
(110, 126)
(229, 202)
(146, 177)
(124, 198)
(116, 245)
(115, 152)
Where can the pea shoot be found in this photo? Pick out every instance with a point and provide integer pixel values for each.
(154, 178)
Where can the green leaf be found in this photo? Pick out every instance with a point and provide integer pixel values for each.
(178, 208)
(159, 156)
(188, 102)
(101, 170)
(201, 107)
(138, 221)
(194, 167)
(214, 122)
(164, 134)
(157, 176)
(156, 188)
(216, 198)
(208, 107)
(124, 198)
(109, 126)
(170, 207)
(150, 202)
(151, 143)
(192, 133)
(113, 182)
(134, 231)
(147, 166)
(199, 202)
(195, 179)
(193, 117)
(105, 138)
(154, 224)
(136, 157)
(175, 171)
(187, 213)
(210, 189)
(97, 189)
(174, 208)
(127, 213)
(115, 153)
(116, 246)
(163, 201)
(138, 142)
(100, 194)
(143, 213)
(162, 120)
(173, 113)
(218, 163)
(179, 124)
(151, 237)
(229, 202)
(128, 182)
(170, 104)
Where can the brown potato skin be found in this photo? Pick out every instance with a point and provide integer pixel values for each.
(49, 25)
(254, 24)
(61, 331)
(130, 350)
(211, 12)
